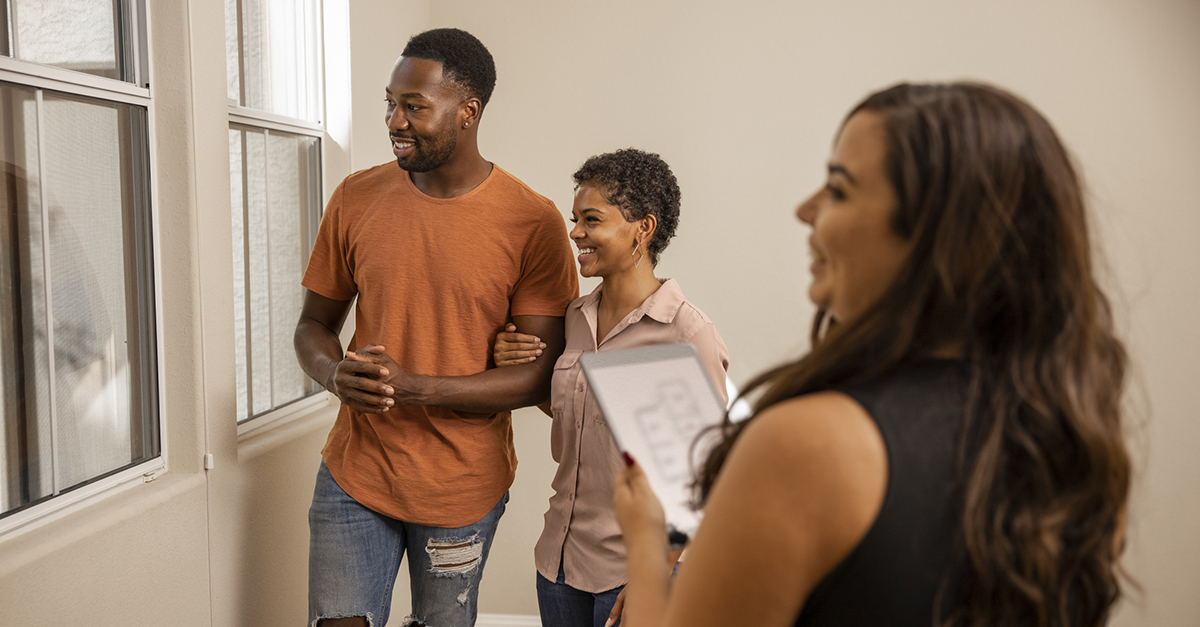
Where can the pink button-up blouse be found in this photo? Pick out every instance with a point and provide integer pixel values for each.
(580, 526)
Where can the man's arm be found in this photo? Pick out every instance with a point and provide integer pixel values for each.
(490, 391)
(514, 348)
(357, 383)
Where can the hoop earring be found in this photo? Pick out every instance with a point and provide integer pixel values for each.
(639, 259)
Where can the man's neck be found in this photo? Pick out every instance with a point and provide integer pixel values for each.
(455, 177)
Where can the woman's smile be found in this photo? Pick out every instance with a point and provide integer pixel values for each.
(855, 252)
(604, 238)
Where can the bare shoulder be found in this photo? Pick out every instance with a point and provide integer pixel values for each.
(824, 462)
(807, 477)
(815, 447)
(825, 423)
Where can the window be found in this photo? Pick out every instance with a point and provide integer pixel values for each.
(79, 384)
(275, 136)
(275, 196)
(90, 36)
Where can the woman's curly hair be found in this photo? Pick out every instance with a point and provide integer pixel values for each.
(639, 183)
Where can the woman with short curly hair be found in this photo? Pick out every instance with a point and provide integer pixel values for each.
(625, 212)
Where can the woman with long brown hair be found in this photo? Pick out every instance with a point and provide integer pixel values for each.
(950, 452)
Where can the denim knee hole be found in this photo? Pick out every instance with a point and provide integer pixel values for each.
(454, 557)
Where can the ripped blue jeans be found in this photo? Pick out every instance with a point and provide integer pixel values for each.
(355, 553)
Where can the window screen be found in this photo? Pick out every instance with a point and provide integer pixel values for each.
(77, 336)
(82, 35)
(275, 197)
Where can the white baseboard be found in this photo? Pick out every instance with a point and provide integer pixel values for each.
(507, 620)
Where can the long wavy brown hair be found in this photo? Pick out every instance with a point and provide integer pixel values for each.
(1001, 266)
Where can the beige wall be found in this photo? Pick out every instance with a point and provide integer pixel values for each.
(742, 99)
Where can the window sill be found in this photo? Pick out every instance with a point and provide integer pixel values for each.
(109, 496)
(286, 423)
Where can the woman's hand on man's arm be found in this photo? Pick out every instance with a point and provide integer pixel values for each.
(490, 391)
(514, 348)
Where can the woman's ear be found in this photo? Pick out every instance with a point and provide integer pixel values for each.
(646, 227)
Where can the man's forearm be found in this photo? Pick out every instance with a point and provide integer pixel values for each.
(318, 350)
(490, 391)
(497, 389)
(487, 392)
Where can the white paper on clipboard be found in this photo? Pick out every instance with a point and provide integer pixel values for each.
(656, 400)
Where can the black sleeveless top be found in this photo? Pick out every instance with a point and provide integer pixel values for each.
(894, 574)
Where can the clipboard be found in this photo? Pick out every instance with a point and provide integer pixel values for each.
(657, 400)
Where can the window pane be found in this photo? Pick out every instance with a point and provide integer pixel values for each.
(24, 375)
(233, 71)
(279, 68)
(289, 207)
(82, 253)
(237, 202)
(275, 200)
(78, 35)
(258, 289)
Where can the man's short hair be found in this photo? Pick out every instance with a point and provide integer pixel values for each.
(464, 59)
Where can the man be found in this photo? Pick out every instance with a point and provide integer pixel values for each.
(441, 252)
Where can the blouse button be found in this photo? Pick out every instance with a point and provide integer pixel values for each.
(580, 387)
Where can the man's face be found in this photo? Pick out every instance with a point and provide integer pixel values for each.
(422, 114)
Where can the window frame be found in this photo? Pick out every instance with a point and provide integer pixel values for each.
(258, 119)
(139, 94)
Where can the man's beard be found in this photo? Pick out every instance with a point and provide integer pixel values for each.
(431, 154)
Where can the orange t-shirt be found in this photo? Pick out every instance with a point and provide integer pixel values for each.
(436, 279)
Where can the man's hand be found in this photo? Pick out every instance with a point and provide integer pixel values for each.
(360, 384)
(358, 378)
(405, 388)
(490, 391)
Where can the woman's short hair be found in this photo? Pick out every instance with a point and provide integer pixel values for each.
(639, 183)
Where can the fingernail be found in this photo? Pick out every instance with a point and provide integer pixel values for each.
(388, 391)
(537, 352)
(388, 402)
(384, 373)
(608, 623)
(628, 458)
(541, 345)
